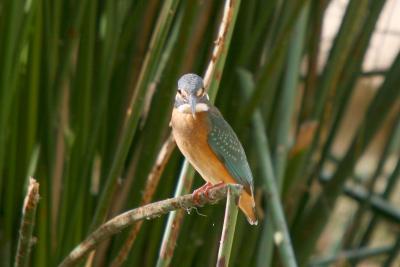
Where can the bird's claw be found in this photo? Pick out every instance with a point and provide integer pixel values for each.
(204, 189)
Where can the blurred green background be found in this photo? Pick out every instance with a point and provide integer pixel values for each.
(86, 94)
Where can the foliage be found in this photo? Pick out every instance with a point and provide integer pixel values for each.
(86, 94)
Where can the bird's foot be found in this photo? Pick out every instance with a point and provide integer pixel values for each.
(196, 193)
(204, 189)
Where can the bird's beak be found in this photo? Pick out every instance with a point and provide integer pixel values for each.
(192, 103)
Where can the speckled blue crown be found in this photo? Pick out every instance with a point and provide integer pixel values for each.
(190, 82)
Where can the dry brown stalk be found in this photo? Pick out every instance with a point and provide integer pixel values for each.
(27, 223)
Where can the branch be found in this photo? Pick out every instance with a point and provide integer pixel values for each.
(148, 212)
(228, 230)
(27, 223)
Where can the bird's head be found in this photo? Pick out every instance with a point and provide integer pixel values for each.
(191, 96)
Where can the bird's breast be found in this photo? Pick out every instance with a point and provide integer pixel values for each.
(190, 133)
(191, 136)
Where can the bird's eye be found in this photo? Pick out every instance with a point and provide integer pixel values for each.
(180, 91)
(200, 92)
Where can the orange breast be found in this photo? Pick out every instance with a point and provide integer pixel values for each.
(191, 137)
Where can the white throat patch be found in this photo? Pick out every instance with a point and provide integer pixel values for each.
(200, 107)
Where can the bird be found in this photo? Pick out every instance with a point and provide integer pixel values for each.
(209, 143)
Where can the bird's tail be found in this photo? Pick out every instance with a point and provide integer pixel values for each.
(247, 205)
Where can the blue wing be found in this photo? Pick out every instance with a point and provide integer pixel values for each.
(225, 144)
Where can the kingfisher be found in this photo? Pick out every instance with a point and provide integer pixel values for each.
(209, 143)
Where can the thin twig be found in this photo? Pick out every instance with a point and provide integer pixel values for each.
(27, 224)
(228, 230)
(148, 212)
(151, 186)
